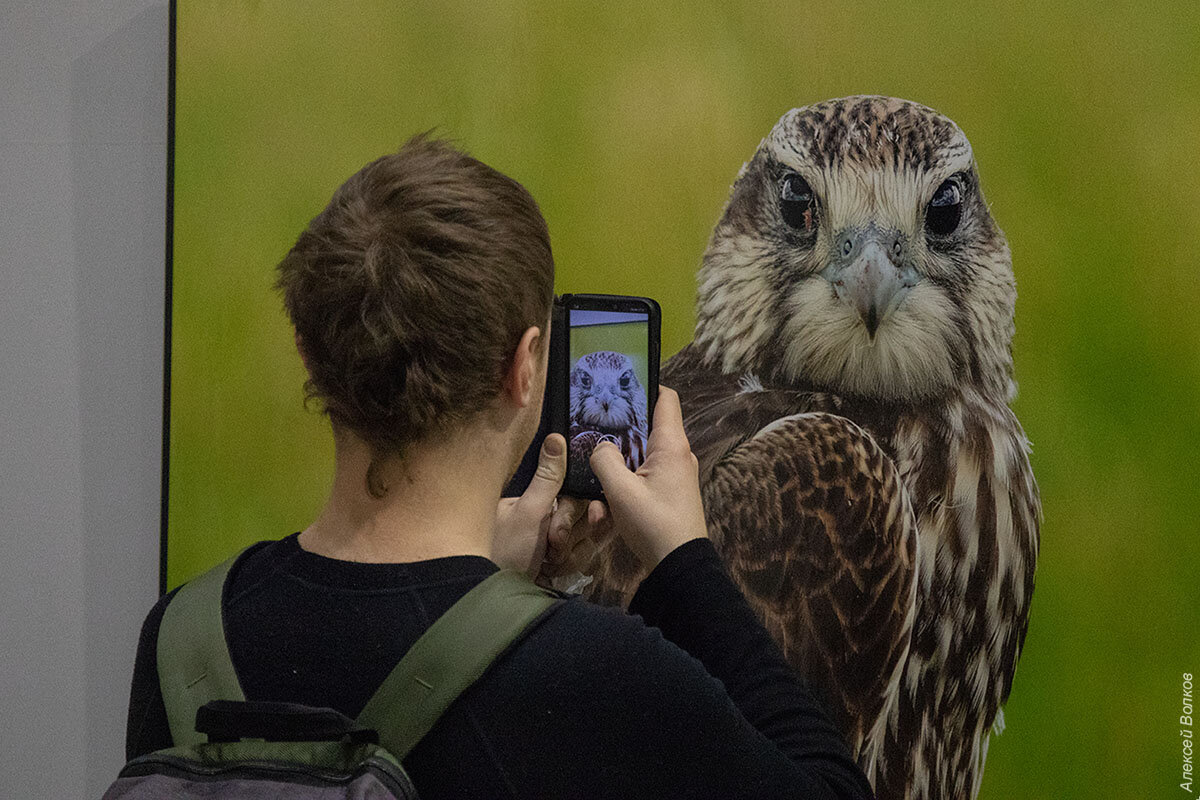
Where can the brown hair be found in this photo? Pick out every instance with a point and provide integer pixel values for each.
(411, 290)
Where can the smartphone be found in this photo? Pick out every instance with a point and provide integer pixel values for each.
(601, 384)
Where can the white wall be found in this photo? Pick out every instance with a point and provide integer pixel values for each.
(83, 123)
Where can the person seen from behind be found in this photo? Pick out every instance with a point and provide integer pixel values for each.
(421, 301)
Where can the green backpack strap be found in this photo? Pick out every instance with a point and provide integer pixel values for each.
(194, 666)
(450, 656)
(193, 660)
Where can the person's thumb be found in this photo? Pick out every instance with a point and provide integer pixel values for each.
(609, 466)
(548, 479)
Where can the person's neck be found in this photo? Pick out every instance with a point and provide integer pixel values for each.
(440, 501)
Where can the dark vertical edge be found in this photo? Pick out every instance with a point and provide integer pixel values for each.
(169, 264)
(653, 357)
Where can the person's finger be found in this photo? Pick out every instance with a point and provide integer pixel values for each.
(569, 511)
(543, 488)
(667, 431)
(609, 465)
(600, 530)
(580, 552)
(594, 525)
(597, 514)
(566, 515)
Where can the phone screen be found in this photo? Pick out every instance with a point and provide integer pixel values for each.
(608, 397)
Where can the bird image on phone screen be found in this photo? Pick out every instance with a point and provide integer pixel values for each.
(607, 402)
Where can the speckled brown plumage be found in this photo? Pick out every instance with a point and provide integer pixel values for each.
(869, 489)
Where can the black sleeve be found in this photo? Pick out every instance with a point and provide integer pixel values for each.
(693, 601)
(147, 729)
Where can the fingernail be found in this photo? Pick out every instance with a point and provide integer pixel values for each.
(552, 446)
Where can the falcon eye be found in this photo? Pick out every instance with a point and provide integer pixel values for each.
(586, 380)
(797, 203)
(945, 209)
(625, 381)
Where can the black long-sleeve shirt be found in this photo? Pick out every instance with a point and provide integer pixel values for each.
(685, 696)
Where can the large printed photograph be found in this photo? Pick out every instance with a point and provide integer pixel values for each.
(928, 295)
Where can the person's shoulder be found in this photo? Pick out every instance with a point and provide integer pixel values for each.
(250, 561)
(585, 621)
(262, 559)
(597, 680)
(587, 641)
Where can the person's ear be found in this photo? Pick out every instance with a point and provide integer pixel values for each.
(521, 383)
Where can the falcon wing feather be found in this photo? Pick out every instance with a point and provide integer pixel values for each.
(815, 526)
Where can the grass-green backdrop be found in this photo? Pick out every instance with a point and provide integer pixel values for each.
(628, 121)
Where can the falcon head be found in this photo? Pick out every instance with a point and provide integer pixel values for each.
(605, 393)
(856, 254)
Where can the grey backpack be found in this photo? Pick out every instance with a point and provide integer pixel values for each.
(226, 747)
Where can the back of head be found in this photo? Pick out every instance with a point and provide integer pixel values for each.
(411, 290)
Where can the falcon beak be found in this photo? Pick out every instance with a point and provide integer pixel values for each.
(871, 274)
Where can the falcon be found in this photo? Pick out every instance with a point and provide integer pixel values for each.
(847, 396)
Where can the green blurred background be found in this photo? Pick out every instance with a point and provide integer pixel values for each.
(628, 122)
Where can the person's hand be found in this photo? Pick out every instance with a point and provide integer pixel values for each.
(544, 535)
(578, 528)
(657, 508)
(522, 523)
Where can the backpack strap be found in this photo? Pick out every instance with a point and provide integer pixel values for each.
(451, 655)
(194, 666)
(193, 660)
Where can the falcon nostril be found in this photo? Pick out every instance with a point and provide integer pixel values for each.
(897, 247)
(847, 246)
